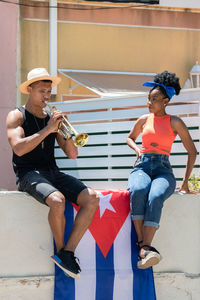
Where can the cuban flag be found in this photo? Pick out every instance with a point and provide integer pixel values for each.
(107, 254)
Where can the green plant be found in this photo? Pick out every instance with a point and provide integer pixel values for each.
(194, 183)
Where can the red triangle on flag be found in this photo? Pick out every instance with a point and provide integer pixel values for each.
(111, 214)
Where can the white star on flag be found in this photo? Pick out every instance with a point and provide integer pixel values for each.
(104, 203)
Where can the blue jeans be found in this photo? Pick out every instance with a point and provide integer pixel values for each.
(150, 183)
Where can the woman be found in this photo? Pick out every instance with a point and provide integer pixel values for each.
(152, 181)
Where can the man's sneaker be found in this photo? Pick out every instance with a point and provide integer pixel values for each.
(66, 260)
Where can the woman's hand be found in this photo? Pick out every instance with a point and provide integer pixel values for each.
(133, 134)
(137, 156)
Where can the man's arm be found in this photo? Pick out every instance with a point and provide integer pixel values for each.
(67, 146)
(21, 144)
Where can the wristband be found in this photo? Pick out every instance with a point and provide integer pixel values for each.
(68, 138)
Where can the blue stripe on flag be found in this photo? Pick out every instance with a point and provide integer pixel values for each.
(65, 285)
(104, 275)
(143, 281)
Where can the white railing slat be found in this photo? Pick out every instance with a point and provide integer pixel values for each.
(117, 150)
(108, 115)
(121, 138)
(117, 102)
(116, 173)
(107, 185)
(124, 125)
(113, 161)
(129, 113)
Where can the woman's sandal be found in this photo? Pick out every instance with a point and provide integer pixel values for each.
(151, 257)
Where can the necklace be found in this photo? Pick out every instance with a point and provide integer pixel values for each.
(36, 122)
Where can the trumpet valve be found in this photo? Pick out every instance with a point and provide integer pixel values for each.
(64, 130)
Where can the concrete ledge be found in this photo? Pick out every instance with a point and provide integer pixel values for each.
(177, 286)
(168, 286)
(27, 288)
(26, 241)
(178, 238)
(26, 244)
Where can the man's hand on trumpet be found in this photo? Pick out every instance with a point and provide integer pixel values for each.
(55, 120)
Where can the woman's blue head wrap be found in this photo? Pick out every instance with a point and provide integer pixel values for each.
(170, 91)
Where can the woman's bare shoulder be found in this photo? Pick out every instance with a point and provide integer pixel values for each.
(143, 119)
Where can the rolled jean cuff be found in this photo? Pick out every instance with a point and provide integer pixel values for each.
(137, 217)
(152, 224)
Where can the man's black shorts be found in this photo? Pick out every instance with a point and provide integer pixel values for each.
(40, 184)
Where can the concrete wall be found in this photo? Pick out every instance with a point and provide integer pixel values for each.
(26, 271)
(177, 276)
(8, 67)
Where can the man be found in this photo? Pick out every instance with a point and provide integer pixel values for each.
(31, 134)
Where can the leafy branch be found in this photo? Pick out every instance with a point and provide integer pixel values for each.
(194, 183)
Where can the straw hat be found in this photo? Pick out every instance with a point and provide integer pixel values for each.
(38, 74)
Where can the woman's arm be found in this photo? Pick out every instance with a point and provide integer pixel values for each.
(134, 133)
(180, 128)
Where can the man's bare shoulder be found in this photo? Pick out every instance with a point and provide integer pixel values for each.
(14, 118)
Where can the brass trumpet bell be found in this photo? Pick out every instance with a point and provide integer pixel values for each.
(81, 139)
(67, 130)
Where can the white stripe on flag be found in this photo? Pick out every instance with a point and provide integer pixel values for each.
(123, 283)
(85, 287)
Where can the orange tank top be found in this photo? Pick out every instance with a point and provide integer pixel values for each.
(157, 135)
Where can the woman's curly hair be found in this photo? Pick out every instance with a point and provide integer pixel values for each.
(168, 79)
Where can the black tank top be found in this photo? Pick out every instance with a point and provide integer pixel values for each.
(42, 157)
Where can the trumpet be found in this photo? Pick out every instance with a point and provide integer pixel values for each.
(67, 130)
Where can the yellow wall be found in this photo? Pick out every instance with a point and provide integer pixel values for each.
(128, 49)
(94, 47)
(34, 48)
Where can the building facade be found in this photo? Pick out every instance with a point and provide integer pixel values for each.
(81, 35)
